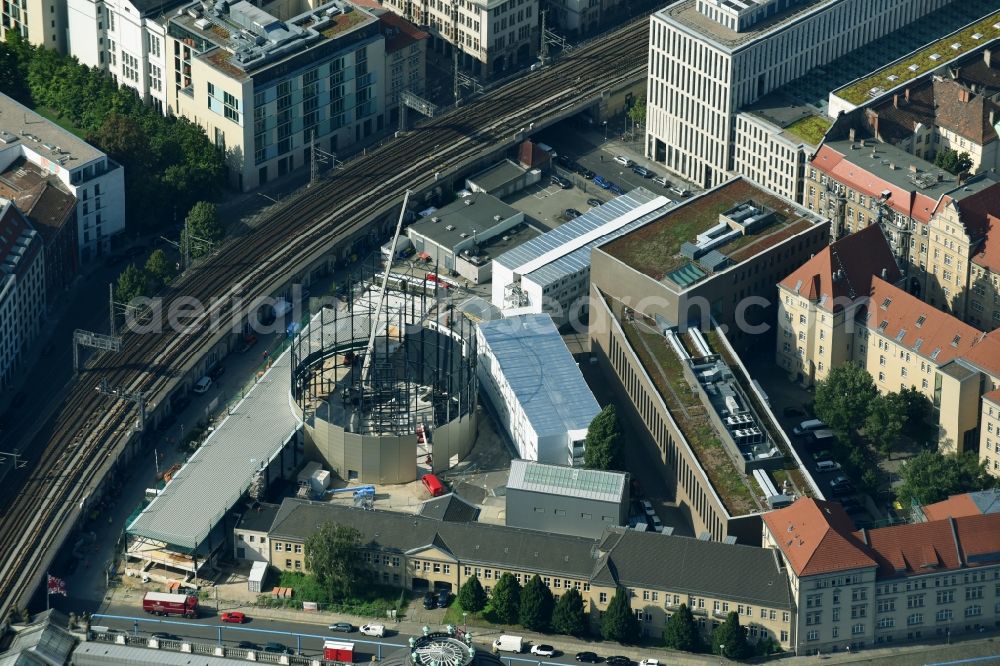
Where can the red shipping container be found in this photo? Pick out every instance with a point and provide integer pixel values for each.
(338, 651)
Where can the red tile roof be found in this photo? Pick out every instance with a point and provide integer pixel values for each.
(911, 549)
(921, 328)
(993, 396)
(815, 538)
(399, 32)
(860, 256)
(955, 506)
(988, 254)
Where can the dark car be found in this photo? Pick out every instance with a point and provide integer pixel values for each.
(430, 601)
(564, 161)
(561, 182)
(602, 182)
(345, 627)
(618, 660)
(642, 171)
(277, 648)
(615, 188)
(588, 657)
(594, 202)
(792, 412)
(443, 598)
(586, 173)
(572, 213)
(164, 636)
(217, 371)
(248, 645)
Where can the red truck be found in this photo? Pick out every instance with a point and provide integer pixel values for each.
(162, 603)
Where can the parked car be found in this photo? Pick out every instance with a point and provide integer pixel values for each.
(649, 661)
(277, 648)
(808, 426)
(543, 650)
(443, 597)
(344, 627)
(585, 172)
(827, 466)
(614, 188)
(234, 617)
(618, 660)
(164, 636)
(594, 202)
(217, 371)
(248, 645)
(572, 213)
(202, 385)
(430, 601)
(588, 657)
(564, 161)
(642, 171)
(561, 182)
(602, 182)
(792, 412)
(624, 161)
(376, 630)
(663, 182)
(680, 191)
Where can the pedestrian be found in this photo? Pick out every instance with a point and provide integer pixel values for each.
(602, 158)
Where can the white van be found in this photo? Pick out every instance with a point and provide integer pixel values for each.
(202, 385)
(827, 466)
(509, 644)
(807, 426)
(376, 630)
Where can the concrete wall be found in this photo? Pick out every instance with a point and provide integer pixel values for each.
(563, 515)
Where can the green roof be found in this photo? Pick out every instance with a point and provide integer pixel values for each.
(924, 60)
(810, 129)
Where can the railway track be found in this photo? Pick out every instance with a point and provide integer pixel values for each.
(70, 454)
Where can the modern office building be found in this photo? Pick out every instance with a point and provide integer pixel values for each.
(22, 289)
(420, 553)
(565, 500)
(551, 273)
(265, 82)
(491, 37)
(97, 183)
(857, 589)
(537, 391)
(710, 58)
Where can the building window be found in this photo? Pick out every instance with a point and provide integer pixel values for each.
(812, 635)
(858, 629)
(602, 598)
(130, 66)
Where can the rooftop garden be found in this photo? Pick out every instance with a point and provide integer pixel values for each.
(924, 60)
(810, 129)
(654, 248)
(343, 22)
(666, 371)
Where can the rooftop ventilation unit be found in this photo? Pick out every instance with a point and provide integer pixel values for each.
(450, 227)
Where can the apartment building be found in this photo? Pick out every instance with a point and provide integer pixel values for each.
(127, 38)
(900, 339)
(937, 223)
(40, 22)
(405, 62)
(818, 303)
(263, 81)
(96, 182)
(22, 289)
(863, 588)
(416, 552)
(491, 36)
(709, 58)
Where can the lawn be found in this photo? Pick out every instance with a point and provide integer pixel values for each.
(858, 92)
(370, 601)
(810, 129)
(50, 114)
(453, 616)
(696, 427)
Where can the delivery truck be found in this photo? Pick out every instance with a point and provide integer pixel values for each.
(341, 651)
(162, 603)
(509, 644)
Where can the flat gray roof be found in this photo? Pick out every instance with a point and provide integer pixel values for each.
(497, 175)
(685, 14)
(474, 213)
(578, 259)
(567, 481)
(541, 372)
(220, 471)
(18, 121)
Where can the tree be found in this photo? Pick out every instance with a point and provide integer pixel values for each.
(914, 407)
(884, 422)
(132, 284)
(158, 269)
(536, 605)
(603, 445)
(930, 476)
(637, 114)
(953, 161)
(332, 556)
(472, 596)
(681, 633)
(568, 616)
(204, 226)
(619, 622)
(730, 639)
(505, 599)
(842, 399)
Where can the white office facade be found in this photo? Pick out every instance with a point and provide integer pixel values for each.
(537, 391)
(701, 71)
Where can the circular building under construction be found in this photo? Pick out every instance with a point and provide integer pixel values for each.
(386, 382)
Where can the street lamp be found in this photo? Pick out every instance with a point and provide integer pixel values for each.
(722, 652)
(465, 622)
(605, 130)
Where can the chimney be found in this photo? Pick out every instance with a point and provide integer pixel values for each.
(963, 95)
(906, 94)
(852, 133)
(885, 273)
(913, 168)
(988, 57)
(895, 101)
